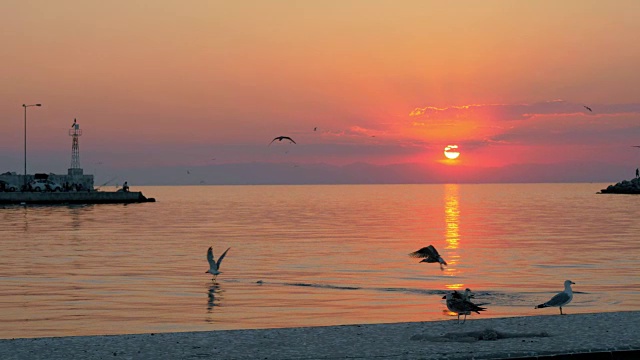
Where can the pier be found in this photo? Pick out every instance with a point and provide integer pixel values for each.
(87, 197)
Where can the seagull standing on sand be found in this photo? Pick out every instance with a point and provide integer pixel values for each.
(430, 255)
(467, 294)
(561, 299)
(214, 267)
(456, 303)
(280, 138)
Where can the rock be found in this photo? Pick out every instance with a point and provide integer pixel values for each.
(623, 187)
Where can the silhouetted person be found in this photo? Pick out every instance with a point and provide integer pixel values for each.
(125, 187)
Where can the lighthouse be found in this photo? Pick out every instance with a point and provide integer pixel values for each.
(75, 170)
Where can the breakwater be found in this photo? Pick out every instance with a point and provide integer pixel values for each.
(88, 197)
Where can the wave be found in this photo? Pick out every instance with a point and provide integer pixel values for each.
(324, 286)
(495, 298)
(571, 266)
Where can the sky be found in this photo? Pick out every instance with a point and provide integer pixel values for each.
(167, 89)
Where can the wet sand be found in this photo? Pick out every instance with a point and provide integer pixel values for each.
(615, 334)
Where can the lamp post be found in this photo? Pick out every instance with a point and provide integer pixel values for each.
(25, 143)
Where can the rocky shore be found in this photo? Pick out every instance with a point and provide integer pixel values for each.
(579, 336)
(623, 187)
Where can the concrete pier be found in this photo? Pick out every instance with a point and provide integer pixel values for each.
(74, 197)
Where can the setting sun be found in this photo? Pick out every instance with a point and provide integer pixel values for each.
(451, 152)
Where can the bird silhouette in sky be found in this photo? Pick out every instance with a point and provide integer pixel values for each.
(214, 267)
(280, 138)
(315, 128)
(588, 108)
(430, 255)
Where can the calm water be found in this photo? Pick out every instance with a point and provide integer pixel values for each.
(326, 255)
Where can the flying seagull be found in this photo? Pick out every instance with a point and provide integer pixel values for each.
(214, 267)
(457, 304)
(561, 299)
(315, 128)
(280, 138)
(430, 255)
(588, 108)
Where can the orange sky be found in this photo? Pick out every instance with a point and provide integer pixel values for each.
(169, 83)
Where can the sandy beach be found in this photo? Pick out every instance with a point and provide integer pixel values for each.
(613, 334)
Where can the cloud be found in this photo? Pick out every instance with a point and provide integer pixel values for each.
(354, 131)
(573, 129)
(514, 112)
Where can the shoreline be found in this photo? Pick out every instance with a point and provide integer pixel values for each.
(494, 338)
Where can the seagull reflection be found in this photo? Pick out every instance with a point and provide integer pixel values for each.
(213, 296)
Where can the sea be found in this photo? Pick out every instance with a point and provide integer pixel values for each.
(313, 255)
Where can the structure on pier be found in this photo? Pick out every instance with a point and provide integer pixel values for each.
(75, 133)
(75, 177)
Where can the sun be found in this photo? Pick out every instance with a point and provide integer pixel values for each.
(451, 152)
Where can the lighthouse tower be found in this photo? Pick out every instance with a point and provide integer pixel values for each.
(75, 133)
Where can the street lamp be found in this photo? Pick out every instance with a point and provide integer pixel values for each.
(25, 142)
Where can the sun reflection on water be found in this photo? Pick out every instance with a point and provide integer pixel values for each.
(452, 237)
(452, 232)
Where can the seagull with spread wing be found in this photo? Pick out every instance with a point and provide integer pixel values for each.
(214, 267)
(588, 108)
(561, 299)
(457, 303)
(430, 255)
(280, 138)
